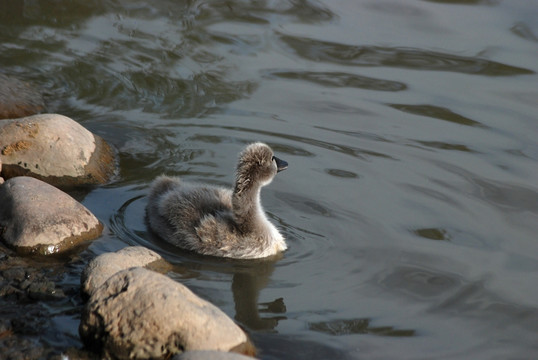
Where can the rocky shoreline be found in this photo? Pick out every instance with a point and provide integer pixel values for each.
(129, 308)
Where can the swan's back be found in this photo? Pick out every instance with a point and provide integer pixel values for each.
(176, 209)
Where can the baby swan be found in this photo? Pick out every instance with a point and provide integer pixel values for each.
(216, 221)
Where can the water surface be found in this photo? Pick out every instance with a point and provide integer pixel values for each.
(410, 205)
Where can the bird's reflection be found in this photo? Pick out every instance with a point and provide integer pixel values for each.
(249, 278)
(246, 287)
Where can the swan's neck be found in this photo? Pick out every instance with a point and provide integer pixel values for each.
(248, 210)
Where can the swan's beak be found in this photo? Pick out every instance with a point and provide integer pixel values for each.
(280, 164)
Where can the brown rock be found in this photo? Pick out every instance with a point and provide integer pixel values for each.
(55, 149)
(18, 98)
(36, 217)
(138, 313)
(105, 265)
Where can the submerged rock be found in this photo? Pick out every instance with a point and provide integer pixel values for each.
(37, 218)
(18, 98)
(138, 313)
(55, 149)
(105, 265)
(210, 355)
(26, 284)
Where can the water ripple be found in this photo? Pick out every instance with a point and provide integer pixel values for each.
(357, 326)
(263, 12)
(436, 112)
(398, 57)
(524, 31)
(152, 92)
(339, 79)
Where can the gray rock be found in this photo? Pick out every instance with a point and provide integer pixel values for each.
(55, 149)
(210, 355)
(36, 217)
(18, 98)
(138, 313)
(105, 265)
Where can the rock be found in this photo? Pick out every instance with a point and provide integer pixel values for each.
(210, 355)
(44, 290)
(105, 265)
(36, 217)
(5, 327)
(1, 178)
(15, 273)
(55, 149)
(18, 98)
(138, 313)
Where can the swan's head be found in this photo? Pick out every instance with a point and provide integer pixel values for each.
(257, 166)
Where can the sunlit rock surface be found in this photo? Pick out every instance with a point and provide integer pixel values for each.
(37, 218)
(105, 265)
(139, 313)
(55, 149)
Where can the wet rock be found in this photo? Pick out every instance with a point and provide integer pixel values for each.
(27, 324)
(20, 349)
(26, 284)
(15, 273)
(37, 218)
(7, 290)
(5, 327)
(105, 265)
(55, 149)
(18, 98)
(138, 313)
(44, 290)
(210, 355)
(74, 353)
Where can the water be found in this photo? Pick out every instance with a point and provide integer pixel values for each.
(410, 205)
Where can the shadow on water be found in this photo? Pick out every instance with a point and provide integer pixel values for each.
(297, 349)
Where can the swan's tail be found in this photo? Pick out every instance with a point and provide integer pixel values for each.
(162, 184)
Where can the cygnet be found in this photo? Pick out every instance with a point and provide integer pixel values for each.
(216, 221)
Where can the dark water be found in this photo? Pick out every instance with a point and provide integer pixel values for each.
(411, 202)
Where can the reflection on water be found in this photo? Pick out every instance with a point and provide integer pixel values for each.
(246, 288)
(410, 203)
